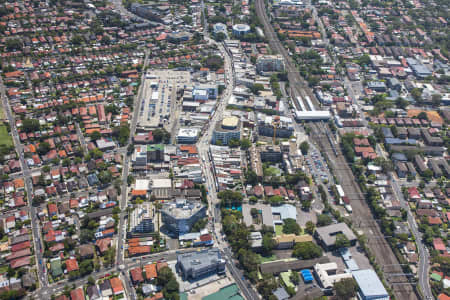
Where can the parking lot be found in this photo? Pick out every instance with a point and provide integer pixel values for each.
(159, 100)
(317, 165)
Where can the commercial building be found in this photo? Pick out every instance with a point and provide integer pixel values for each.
(241, 29)
(187, 135)
(161, 188)
(181, 215)
(198, 264)
(227, 130)
(203, 92)
(179, 36)
(141, 219)
(267, 124)
(270, 63)
(155, 152)
(105, 145)
(370, 286)
(271, 153)
(327, 234)
(420, 70)
(219, 27)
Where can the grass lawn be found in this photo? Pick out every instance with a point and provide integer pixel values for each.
(278, 229)
(272, 171)
(5, 138)
(264, 259)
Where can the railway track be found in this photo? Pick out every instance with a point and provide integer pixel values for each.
(362, 216)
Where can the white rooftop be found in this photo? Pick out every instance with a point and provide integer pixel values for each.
(162, 183)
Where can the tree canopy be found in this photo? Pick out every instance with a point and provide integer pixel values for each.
(230, 198)
(324, 220)
(346, 288)
(306, 250)
(291, 226)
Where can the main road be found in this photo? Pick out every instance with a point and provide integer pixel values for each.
(362, 216)
(203, 149)
(42, 278)
(125, 171)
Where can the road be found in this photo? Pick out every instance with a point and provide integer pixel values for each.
(128, 264)
(424, 264)
(81, 138)
(362, 216)
(203, 149)
(125, 171)
(42, 278)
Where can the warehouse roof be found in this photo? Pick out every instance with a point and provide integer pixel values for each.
(370, 285)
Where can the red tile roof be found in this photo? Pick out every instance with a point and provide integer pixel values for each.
(150, 271)
(136, 275)
(116, 285)
(77, 294)
(71, 265)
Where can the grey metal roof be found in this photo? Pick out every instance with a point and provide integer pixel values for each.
(370, 285)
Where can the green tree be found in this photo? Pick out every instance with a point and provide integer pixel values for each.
(245, 144)
(77, 40)
(291, 226)
(95, 135)
(199, 225)
(342, 241)
(422, 115)
(43, 148)
(122, 133)
(233, 143)
(86, 267)
(416, 93)
(364, 60)
(86, 236)
(30, 125)
(401, 103)
(276, 200)
(251, 177)
(310, 227)
(105, 176)
(168, 281)
(436, 100)
(230, 198)
(324, 220)
(346, 288)
(304, 147)
(268, 244)
(256, 88)
(160, 135)
(14, 44)
(294, 277)
(306, 250)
